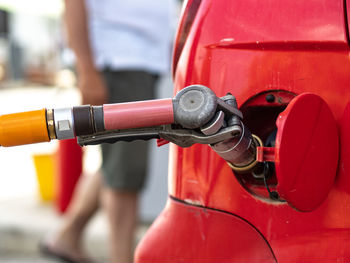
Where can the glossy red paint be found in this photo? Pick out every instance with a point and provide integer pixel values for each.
(306, 156)
(203, 236)
(251, 48)
(347, 15)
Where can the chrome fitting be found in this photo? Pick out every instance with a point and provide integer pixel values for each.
(64, 123)
(250, 166)
(239, 152)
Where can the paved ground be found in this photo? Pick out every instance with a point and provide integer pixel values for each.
(24, 221)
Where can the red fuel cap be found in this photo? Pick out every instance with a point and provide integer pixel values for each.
(306, 152)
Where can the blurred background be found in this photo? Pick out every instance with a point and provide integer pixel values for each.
(36, 71)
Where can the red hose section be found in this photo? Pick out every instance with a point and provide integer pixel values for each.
(138, 114)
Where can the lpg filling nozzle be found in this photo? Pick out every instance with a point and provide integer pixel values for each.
(194, 115)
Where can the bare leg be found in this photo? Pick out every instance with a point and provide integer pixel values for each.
(85, 203)
(121, 208)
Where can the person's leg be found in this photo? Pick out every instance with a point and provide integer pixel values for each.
(121, 208)
(68, 239)
(124, 172)
(124, 167)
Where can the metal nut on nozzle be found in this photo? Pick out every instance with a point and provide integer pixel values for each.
(64, 124)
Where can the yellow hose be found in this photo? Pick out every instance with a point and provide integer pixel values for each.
(23, 128)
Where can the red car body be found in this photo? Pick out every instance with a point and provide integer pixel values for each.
(252, 48)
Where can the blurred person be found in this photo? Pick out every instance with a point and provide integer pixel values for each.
(121, 48)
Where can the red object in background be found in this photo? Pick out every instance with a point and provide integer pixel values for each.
(251, 49)
(69, 167)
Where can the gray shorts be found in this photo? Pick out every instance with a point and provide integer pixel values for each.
(124, 164)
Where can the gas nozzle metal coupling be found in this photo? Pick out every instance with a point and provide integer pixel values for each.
(198, 106)
(78, 121)
(240, 153)
(64, 123)
(220, 123)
